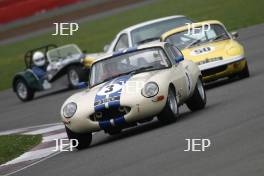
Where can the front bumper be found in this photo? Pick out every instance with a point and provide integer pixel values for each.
(222, 68)
(140, 109)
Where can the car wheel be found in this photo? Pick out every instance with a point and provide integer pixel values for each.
(23, 92)
(84, 139)
(170, 112)
(75, 76)
(198, 99)
(244, 73)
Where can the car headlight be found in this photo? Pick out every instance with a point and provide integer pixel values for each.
(69, 110)
(150, 90)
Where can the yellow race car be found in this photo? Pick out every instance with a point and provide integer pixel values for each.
(212, 47)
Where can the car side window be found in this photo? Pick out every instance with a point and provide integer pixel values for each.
(170, 54)
(176, 52)
(122, 42)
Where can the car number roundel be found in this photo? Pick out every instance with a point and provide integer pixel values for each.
(109, 89)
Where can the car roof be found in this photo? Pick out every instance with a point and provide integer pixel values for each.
(131, 28)
(132, 49)
(186, 27)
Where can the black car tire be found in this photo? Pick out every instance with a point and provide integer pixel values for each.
(170, 113)
(23, 91)
(84, 139)
(244, 73)
(198, 100)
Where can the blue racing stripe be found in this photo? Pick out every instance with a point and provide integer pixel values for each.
(105, 124)
(112, 99)
(119, 121)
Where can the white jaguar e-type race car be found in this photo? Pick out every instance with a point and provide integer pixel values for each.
(133, 86)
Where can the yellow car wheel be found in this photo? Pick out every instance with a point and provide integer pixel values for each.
(244, 73)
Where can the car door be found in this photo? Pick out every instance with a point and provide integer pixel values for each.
(181, 79)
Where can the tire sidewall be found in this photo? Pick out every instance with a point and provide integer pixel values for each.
(203, 96)
(167, 115)
(173, 112)
(84, 139)
(73, 70)
(29, 92)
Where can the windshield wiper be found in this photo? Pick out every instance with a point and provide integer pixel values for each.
(148, 40)
(195, 42)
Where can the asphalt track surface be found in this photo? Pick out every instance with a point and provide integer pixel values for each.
(233, 120)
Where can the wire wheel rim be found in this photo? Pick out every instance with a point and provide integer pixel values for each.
(22, 90)
(74, 78)
(172, 102)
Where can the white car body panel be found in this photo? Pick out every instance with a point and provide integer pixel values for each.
(131, 28)
(141, 107)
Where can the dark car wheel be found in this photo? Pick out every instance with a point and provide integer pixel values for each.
(76, 74)
(170, 112)
(23, 92)
(84, 139)
(244, 73)
(198, 99)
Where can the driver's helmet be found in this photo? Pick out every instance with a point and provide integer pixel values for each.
(38, 59)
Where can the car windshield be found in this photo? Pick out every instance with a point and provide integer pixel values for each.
(134, 62)
(187, 38)
(154, 30)
(64, 52)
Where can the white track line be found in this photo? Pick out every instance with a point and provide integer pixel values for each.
(45, 130)
(27, 128)
(32, 155)
(43, 159)
(55, 136)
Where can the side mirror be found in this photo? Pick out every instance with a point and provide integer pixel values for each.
(106, 47)
(234, 34)
(179, 58)
(83, 85)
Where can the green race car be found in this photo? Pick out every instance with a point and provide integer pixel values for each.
(45, 65)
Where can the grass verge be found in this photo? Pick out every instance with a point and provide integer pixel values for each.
(94, 35)
(12, 146)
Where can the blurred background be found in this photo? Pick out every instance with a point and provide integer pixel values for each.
(27, 24)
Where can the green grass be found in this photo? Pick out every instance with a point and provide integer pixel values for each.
(94, 35)
(12, 146)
